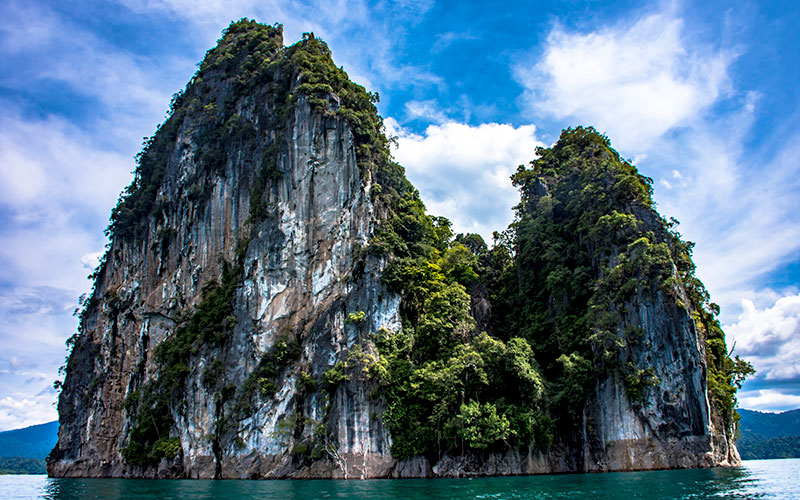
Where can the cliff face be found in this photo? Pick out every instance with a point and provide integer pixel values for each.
(301, 274)
(239, 323)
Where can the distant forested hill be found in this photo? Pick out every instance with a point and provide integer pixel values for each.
(769, 435)
(18, 465)
(22, 451)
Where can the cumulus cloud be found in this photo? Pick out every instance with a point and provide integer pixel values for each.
(426, 110)
(91, 260)
(375, 65)
(770, 338)
(463, 171)
(60, 174)
(740, 208)
(768, 400)
(634, 82)
(654, 90)
(53, 182)
(19, 410)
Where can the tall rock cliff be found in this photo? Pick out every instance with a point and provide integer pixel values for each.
(605, 290)
(275, 302)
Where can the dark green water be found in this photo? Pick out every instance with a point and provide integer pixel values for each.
(755, 479)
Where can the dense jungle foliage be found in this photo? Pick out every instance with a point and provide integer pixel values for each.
(586, 245)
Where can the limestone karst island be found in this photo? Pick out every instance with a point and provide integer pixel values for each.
(276, 302)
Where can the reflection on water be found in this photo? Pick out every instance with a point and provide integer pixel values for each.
(756, 479)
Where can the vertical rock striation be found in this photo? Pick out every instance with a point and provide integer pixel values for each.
(302, 271)
(230, 332)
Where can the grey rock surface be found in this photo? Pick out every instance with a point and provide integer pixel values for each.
(304, 273)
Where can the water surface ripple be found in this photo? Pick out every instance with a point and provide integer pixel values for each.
(765, 479)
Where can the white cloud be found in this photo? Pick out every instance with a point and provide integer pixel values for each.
(91, 260)
(345, 25)
(34, 321)
(426, 110)
(768, 400)
(57, 190)
(739, 207)
(634, 82)
(134, 91)
(656, 91)
(59, 180)
(20, 410)
(770, 337)
(445, 40)
(463, 171)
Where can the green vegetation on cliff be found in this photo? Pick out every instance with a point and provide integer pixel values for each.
(499, 347)
(250, 58)
(585, 249)
(150, 407)
(588, 247)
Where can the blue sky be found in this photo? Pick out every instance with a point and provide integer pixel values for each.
(702, 96)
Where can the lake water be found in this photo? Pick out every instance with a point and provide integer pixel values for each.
(755, 479)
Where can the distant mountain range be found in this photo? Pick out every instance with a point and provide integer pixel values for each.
(22, 451)
(769, 435)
